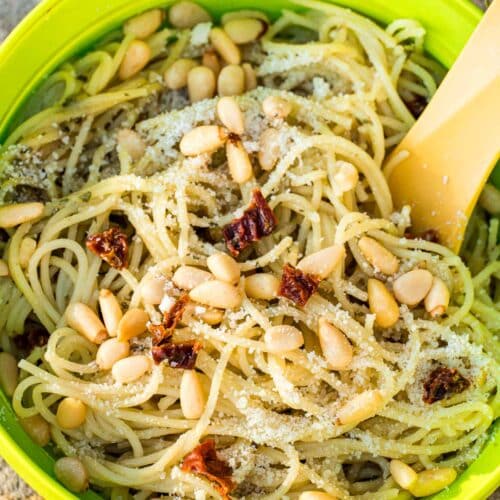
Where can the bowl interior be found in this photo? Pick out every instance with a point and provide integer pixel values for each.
(58, 29)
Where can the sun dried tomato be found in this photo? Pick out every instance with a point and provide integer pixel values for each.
(297, 285)
(34, 335)
(417, 105)
(442, 382)
(111, 246)
(177, 355)
(203, 460)
(257, 221)
(430, 235)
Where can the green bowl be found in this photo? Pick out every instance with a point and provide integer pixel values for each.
(58, 29)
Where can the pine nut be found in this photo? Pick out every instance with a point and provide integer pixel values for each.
(226, 48)
(71, 413)
(131, 142)
(269, 148)
(9, 373)
(316, 495)
(71, 472)
(218, 294)
(437, 300)
(192, 396)
(378, 256)
(144, 24)
(323, 262)
(137, 56)
(264, 286)
(382, 304)
(245, 30)
(4, 269)
(26, 250)
(131, 369)
(224, 267)
(212, 316)
(403, 474)
(229, 113)
(336, 348)
(132, 324)
(13, 215)
(211, 61)
(37, 429)
(250, 77)
(276, 107)
(231, 81)
(153, 289)
(200, 83)
(360, 407)
(412, 287)
(283, 338)
(86, 322)
(176, 77)
(240, 166)
(490, 199)
(346, 178)
(111, 351)
(203, 139)
(189, 277)
(433, 480)
(110, 310)
(187, 14)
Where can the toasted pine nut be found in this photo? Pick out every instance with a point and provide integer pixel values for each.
(412, 287)
(283, 338)
(187, 14)
(192, 395)
(316, 495)
(346, 178)
(71, 472)
(86, 322)
(131, 142)
(144, 24)
(224, 267)
(382, 304)
(110, 310)
(490, 199)
(335, 346)
(176, 77)
(433, 480)
(250, 77)
(438, 298)
(211, 61)
(212, 316)
(217, 294)
(71, 413)
(403, 474)
(132, 324)
(201, 83)
(269, 150)
(264, 286)
(111, 351)
(229, 113)
(245, 30)
(37, 429)
(189, 277)
(13, 215)
(323, 262)
(378, 256)
(130, 369)
(26, 250)
(231, 80)
(4, 269)
(240, 166)
(153, 289)
(225, 46)
(135, 59)
(203, 139)
(360, 407)
(276, 107)
(9, 373)
(243, 14)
